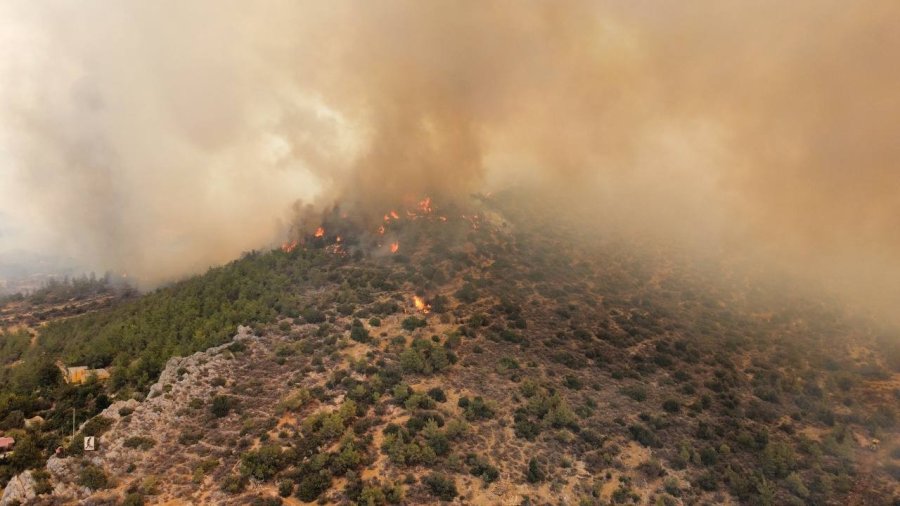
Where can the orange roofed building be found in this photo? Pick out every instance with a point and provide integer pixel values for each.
(6, 444)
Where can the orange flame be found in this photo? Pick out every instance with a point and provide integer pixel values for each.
(395, 215)
(320, 232)
(420, 304)
(289, 246)
(425, 205)
(395, 246)
(381, 230)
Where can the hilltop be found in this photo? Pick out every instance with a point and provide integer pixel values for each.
(485, 356)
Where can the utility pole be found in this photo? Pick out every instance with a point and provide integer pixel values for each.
(73, 425)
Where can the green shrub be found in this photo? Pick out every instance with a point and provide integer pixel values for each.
(482, 468)
(313, 315)
(467, 294)
(358, 332)
(313, 485)
(573, 382)
(437, 394)
(285, 488)
(534, 473)
(643, 435)
(295, 400)
(263, 463)
(425, 357)
(133, 499)
(234, 484)
(796, 486)
(204, 467)
(412, 323)
(778, 459)
(222, 405)
(92, 477)
(189, 437)
(671, 405)
(441, 486)
(140, 442)
(97, 426)
(636, 392)
(477, 409)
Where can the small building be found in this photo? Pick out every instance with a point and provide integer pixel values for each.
(80, 374)
(76, 374)
(6, 443)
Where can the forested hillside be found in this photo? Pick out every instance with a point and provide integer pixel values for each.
(488, 358)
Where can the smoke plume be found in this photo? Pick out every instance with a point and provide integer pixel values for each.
(162, 137)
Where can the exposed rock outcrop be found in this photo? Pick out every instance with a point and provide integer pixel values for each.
(182, 379)
(19, 489)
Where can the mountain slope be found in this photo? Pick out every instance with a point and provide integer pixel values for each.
(488, 360)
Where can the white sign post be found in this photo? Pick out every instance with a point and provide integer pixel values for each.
(89, 443)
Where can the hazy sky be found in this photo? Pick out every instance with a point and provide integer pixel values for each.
(160, 137)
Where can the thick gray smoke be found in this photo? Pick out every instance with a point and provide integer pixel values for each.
(161, 137)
